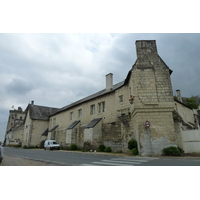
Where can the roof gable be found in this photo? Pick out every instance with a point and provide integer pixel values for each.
(41, 112)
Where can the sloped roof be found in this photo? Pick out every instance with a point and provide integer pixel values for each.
(54, 128)
(95, 95)
(93, 123)
(73, 125)
(41, 112)
(45, 132)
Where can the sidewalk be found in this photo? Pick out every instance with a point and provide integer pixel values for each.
(17, 161)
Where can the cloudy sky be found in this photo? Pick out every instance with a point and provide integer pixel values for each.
(57, 69)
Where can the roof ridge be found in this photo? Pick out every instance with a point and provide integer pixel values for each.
(92, 96)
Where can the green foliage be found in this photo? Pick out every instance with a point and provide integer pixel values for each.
(134, 151)
(171, 151)
(108, 149)
(87, 146)
(181, 150)
(132, 144)
(191, 102)
(101, 148)
(25, 147)
(73, 147)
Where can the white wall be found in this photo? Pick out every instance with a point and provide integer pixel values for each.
(191, 141)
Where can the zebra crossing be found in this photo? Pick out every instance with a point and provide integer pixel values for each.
(120, 161)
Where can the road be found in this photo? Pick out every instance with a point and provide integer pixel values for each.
(68, 158)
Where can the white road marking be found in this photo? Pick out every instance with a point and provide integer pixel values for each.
(132, 160)
(108, 163)
(119, 161)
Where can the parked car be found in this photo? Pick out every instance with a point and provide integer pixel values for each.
(51, 144)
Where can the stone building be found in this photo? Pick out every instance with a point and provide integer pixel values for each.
(118, 113)
(142, 107)
(13, 133)
(35, 124)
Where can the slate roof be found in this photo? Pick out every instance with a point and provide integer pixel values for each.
(93, 123)
(73, 125)
(55, 127)
(41, 112)
(45, 132)
(95, 95)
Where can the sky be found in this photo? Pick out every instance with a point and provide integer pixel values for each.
(57, 69)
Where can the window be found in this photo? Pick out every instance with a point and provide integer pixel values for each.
(92, 109)
(54, 121)
(71, 115)
(121, 98)
(79, 113)
(101, 107)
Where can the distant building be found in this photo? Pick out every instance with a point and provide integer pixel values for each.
(35, 124)
(14, 125)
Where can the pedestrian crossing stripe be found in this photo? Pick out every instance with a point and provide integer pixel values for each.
(109, 163)
(121, 161)
(124, 159)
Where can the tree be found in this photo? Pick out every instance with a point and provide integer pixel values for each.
(191, 102)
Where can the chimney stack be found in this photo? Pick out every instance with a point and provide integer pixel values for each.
(32, 102)
(178, 94)
(109, 82)
(144, 47)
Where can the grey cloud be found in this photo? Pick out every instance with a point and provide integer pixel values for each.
(19, 87)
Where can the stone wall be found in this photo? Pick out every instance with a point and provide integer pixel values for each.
(153, 101)
(150, 85)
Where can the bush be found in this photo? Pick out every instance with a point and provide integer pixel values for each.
(108, 149)
(132, 144)
(101, 148)
(25, 147)
(171, 151)
(87, 146)
(73, 147)
(181, 150)
(134, 151)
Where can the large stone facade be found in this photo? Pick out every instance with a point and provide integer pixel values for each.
(149, 83)
(118, 113)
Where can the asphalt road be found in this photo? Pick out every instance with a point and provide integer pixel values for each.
(69, 158)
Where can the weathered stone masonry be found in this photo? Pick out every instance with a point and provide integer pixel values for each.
(149, 82)
(107, 117)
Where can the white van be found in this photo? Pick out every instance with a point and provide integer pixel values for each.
(51, 144)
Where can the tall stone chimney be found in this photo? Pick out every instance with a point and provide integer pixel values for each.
(146, 47)
(32, 102)
(178, 94)
(109, 82)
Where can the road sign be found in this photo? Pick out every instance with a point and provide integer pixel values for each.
(147, 124)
